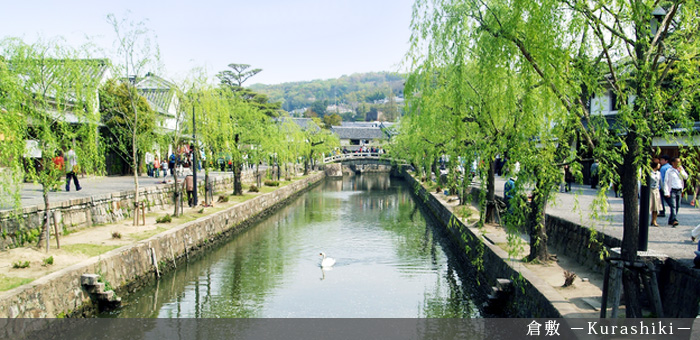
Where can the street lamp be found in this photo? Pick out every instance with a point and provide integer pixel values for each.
(194, 158)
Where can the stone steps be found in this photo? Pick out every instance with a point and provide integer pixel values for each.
(105, 299)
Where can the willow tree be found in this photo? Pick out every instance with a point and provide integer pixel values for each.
(644, 52)
(13, 126)
(136, 50)
(58, 110)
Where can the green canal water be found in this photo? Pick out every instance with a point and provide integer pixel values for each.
(392, 262)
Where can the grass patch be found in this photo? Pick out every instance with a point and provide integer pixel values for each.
(8, 282)
(88, 249)
(147, 233)
(47, 261)
(463, 211)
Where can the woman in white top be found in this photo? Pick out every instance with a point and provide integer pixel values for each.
(654, 195)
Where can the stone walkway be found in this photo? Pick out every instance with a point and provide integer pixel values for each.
(95, 186)
(574, 206)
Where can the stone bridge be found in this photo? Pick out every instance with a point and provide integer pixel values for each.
(361, 162)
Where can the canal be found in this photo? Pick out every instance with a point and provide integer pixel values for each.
(393, 261)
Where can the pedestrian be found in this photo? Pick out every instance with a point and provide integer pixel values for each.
(665, 165)
(654, 195)
(562, 179)
(568, 177)
(595, 167)
(696, 189)
(673, 188)
(58, 165)
(171, 164)
(164, 168)
(509, 192)
(156, 168)
(188, 185)
(71, 166)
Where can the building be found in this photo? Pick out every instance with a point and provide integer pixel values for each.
(355, 136)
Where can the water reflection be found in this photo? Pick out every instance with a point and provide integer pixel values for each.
(390, 262)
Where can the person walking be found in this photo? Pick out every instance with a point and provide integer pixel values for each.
(568, 177)
(594, 174)
(71, 164)
(673, 188)
(654, 195)
(665, 165)
(696, 190)
(156, 168)
(58, 165)
(188, 185)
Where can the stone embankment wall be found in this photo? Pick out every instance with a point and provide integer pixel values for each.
(679, 283)
(60, 293)
(531, 297)
(95, 210)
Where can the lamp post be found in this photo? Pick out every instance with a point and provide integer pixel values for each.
(194, 158)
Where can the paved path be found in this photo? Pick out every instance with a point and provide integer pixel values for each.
(674, 242)
(94, 186)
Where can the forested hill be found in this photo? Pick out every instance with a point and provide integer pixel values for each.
(349, 92)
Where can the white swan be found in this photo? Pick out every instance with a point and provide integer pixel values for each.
(327, 261)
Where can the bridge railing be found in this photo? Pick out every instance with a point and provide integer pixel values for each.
(354, 156)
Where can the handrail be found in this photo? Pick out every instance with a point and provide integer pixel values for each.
(357, 155)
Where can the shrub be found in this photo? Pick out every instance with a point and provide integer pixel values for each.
(253, 188)
(47, 261)
(116, 234)
(270, 183)
(21, 264)
(223, 199)
(164, 219)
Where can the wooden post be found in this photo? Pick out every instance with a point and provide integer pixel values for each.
(616, 287)
(655, 296)
(55, 228)
(606, 278)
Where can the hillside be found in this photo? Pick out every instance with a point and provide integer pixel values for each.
(356, 97)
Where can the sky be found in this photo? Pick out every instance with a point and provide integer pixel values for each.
(290, 40)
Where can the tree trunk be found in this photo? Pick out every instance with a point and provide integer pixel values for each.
(490, 193)
(176, 196)
(630, 234)
(258, 177)
(44, 235)
(207, 189)
(136, 177)
(237, 185)
(536, 218)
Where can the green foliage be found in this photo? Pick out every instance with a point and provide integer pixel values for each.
(47, 261)
(108, 285)
(119, 117)
(358, 91)
(164, 219)
(253, 188)
(20, 264)
(271, 183)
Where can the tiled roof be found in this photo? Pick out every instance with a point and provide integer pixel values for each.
(358, 132)
(304, 123)
(90, 72)
(157, 91)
